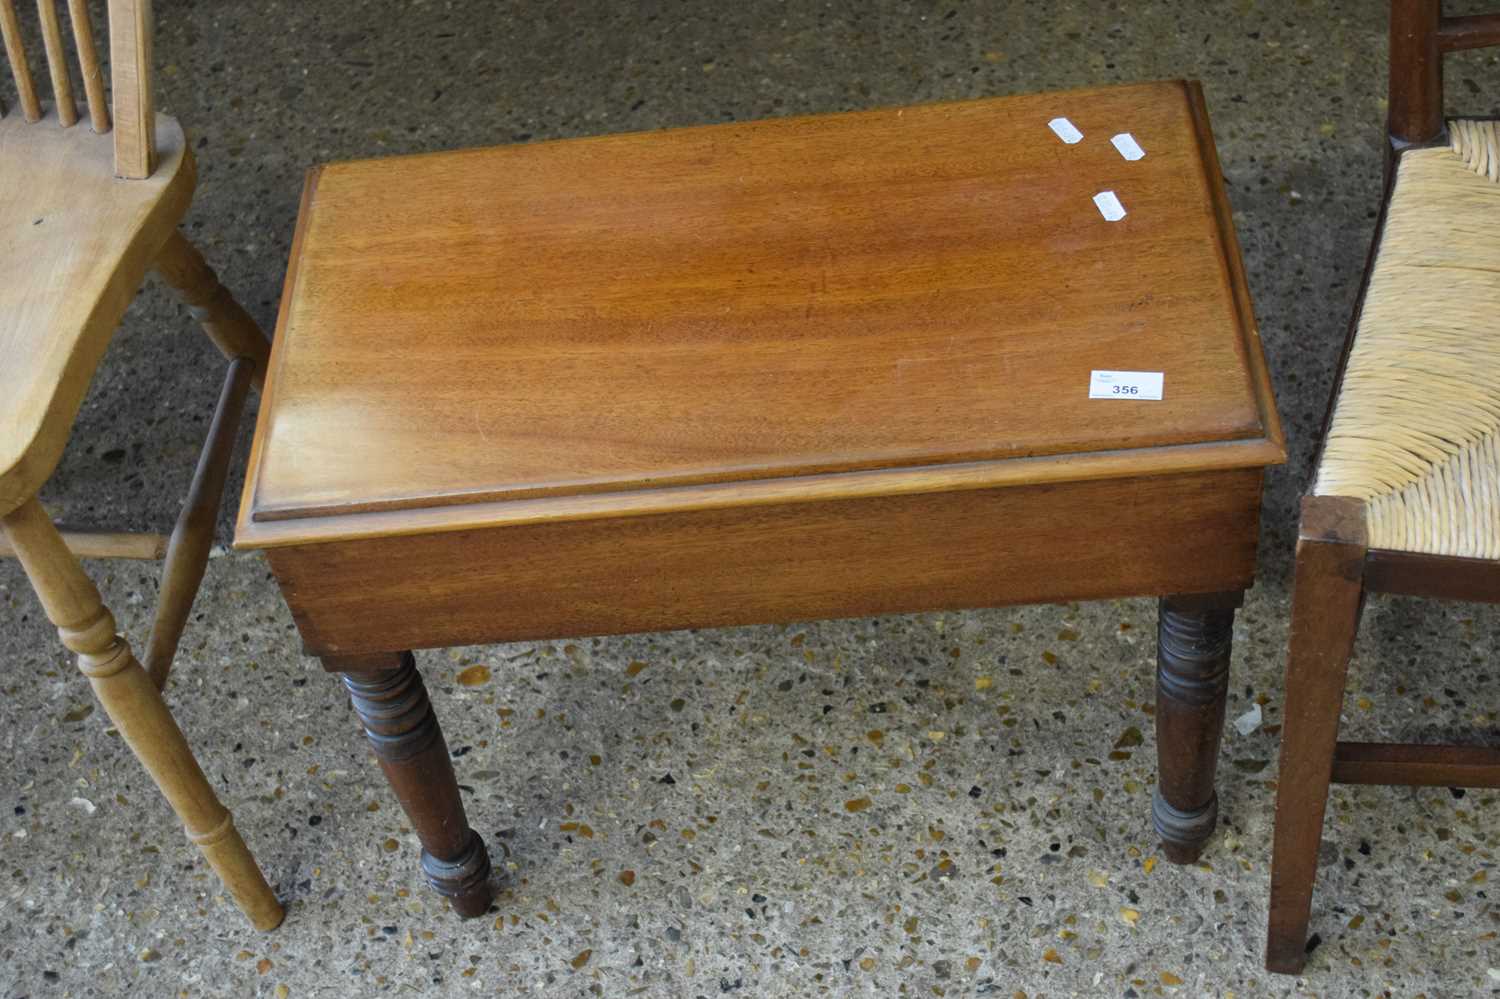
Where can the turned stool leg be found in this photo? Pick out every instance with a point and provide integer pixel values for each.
(227, 324)
(135, 706)
(392, 705)
(1192, 679)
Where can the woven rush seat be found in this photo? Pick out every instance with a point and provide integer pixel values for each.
(1406, 496)
(1414, 430)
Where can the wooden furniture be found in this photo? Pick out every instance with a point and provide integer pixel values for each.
(1406, 496)
(802, 368)
(85, 210)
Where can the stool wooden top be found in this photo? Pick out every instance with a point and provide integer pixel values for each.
(869, 303)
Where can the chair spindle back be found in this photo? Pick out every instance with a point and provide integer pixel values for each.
(1420, 37)
(130, 71)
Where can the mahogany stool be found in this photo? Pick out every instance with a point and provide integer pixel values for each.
(952, 356)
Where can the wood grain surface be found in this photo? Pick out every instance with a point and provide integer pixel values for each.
(883, 290)
(789, 562)
(85, 240)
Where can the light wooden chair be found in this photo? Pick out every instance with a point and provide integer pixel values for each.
(1406, 496)
(83, 214)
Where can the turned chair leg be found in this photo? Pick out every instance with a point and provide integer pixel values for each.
(391, 701)
(227, 324)
(1325, 618)
(1194, 634)
(136, 707)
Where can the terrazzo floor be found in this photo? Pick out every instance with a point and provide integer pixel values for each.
(930, 805)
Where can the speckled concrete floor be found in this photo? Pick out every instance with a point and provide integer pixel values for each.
(672, 808)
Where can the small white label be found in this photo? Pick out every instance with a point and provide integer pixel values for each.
(1128, 147)
(1141, 385)
(1065, 130)
(1109, 206)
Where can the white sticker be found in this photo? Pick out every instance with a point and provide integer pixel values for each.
(1065, 130)
(1125, 385)
(1109, 206)
(1128, 147)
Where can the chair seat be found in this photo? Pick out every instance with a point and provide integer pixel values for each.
(77, 242)
(758, 306)
(1415, 431)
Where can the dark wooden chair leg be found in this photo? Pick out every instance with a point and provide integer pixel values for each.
(1325, 617)
(1192, 678)
(392, 705)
